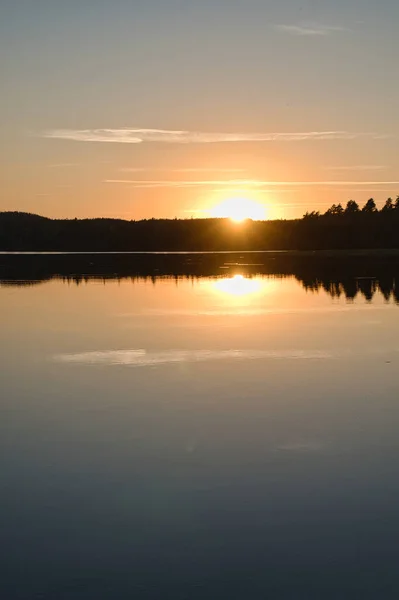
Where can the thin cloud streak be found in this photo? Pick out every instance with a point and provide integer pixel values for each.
(309, 29)
(188, 170)
(247, 183)
(138, 136)
(357, 168)
(208, 170)
(63, 165)
(166, 170)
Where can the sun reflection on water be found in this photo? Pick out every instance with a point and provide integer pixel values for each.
(238, 286)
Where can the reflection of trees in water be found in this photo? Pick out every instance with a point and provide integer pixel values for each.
(345, 275)
(350, 288)
(345, 288)
(23, 282)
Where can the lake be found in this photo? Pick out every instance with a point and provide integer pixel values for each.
(191, 427)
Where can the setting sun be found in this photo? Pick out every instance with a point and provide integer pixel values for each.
(238, 209)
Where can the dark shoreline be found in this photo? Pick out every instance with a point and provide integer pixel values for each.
(361, 231)
(373, 252)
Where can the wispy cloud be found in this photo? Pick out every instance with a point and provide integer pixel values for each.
(62, 165)
(138, 136)
(246, 183)
(357, 168)
(208, 170)
(309, 29)
(192, 170)
(154, 183)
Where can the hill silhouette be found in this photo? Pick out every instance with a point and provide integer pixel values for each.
(337, 229)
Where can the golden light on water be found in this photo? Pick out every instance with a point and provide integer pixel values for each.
(238, 209)
(241, 294)
(238, 286)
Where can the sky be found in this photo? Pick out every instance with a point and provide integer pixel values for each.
(172, 108)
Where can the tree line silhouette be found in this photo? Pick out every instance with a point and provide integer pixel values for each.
(352, 208)
(338, 228)
(348, 276)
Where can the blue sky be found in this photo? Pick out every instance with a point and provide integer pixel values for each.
(271, 96)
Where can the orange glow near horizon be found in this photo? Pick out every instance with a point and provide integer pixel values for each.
(238, 209)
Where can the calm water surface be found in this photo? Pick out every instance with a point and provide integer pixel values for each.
(227, 438)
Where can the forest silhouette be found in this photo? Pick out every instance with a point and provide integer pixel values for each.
(339, 228)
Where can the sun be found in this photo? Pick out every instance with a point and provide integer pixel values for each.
(239, 209)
